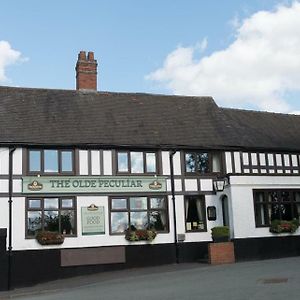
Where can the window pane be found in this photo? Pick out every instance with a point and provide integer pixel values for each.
(216, 163)
(195, 213)
(51, 161)
(157, 202)
(34, 161)
(138, 203)
(34, 203)
(34, 222)
(202, 163)
(66, 161)
(137, 164)
(67, 222)
(51, 203)
(67, 203)
(158, 220)
(190, 163)
(119, 203)
(122, 162)
(119, 222)
(151, 162)
(51, 221)
(139, 219)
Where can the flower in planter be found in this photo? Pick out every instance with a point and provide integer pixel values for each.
(49, 238)
(278, 226)
(132, 234)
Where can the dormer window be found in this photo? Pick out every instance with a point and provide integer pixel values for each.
(50, 161)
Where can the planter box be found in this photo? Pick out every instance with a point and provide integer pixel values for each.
(221, 253)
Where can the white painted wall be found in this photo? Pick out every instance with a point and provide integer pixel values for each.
(83, 162)
(4, 154)
(241, 198)
(165, 162)
(107, 162)
(95, 162)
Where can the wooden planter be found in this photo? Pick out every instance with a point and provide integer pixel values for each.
(221, 253)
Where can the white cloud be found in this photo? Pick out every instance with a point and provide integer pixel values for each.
(8, 56)
(260, 66)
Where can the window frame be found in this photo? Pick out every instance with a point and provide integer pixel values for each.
(265, 202)
(128, 152)
(202, 198)
(42, 162)
(210, 163)
(42, 209)
(148, 210)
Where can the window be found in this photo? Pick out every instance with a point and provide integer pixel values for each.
(51, 161)
(195, 217)
(136, 162)
(141, 212)
(202, 162)
(51, 214)
(272, 205)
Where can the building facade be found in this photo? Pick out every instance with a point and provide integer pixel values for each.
(90, 165)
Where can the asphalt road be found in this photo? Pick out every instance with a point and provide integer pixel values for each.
(269, 279)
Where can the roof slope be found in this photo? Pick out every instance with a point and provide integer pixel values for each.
(264, 129)
(67, 117)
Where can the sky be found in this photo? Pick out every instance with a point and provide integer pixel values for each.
(245, 54)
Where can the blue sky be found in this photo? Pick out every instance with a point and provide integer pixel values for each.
(191, 47)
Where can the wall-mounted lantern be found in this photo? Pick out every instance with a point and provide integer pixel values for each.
(219, 184)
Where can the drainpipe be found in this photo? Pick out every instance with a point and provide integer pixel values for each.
(10, 192)
(174, 206)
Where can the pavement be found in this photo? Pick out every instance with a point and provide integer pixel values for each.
(274, 279)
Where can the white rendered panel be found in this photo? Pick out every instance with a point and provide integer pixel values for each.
(262, 159)
(83, 162)
(17, 162)
(107, 162)
(95, 157)
(165, 162)
(254, 159)
(191, 185)
(278, 160)
(245, 158)
(17, 185)
(176, 163)
(237, 162)
(4, 153)
(294, 160)
(228, 162)
(206, 185)
(271, 159)
(286, 160)
(3, 185)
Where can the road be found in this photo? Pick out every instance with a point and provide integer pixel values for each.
(270, 279)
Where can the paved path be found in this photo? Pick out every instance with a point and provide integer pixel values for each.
(270, 279)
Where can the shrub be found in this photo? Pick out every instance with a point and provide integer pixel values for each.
(220, 233)
(279, 226)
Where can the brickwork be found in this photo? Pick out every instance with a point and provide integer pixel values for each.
(86, 71)
(221, 253)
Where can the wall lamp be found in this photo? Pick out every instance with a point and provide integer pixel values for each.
(219, 184)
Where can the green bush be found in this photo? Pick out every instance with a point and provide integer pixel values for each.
(220, 232)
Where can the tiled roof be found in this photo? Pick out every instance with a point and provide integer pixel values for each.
(67, 117)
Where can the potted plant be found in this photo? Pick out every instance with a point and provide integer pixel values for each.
(220, 234)
(221, 251)
(279, 226)
(49, 238)
(132, 234)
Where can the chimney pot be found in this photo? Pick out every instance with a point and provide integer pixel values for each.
(91, 56)
(86, 71)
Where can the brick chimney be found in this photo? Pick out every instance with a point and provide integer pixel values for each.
(86, 71)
